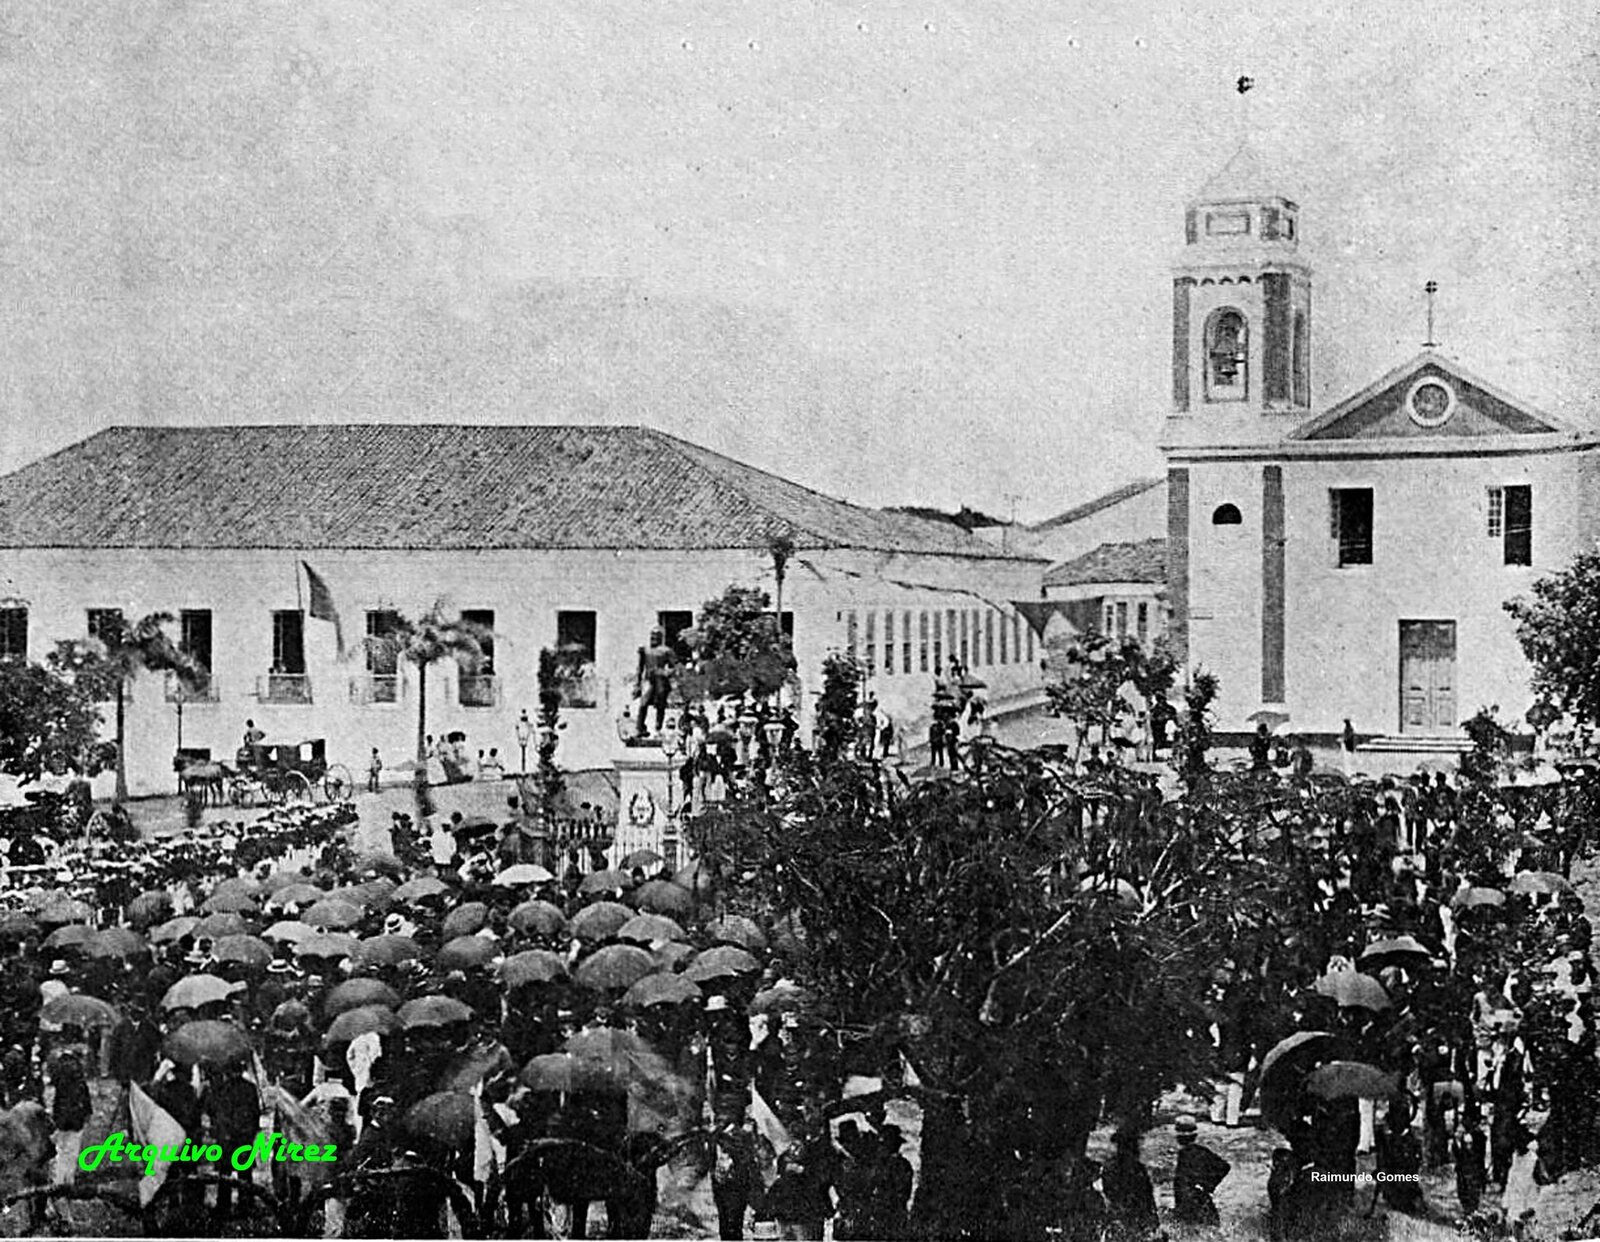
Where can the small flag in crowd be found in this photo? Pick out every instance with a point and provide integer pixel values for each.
(152, 1124)
(322, 606)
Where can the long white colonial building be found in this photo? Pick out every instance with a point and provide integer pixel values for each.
(587, 536)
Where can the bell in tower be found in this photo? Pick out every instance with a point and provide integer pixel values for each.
(1241, 299)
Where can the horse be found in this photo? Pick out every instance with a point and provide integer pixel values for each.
(27, 1153)
(204, 779)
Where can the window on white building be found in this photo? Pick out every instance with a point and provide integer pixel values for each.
(922, 642)
(1511, 521)
(905, 642)
(1350, 524)
(1144, 622)
(577, 637)
(477, 684)
(13, 633)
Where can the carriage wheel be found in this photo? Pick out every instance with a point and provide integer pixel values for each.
(294, 787)
(337, 783)
(242, 793)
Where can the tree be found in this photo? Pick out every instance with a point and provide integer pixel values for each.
(423, 642)
(46, 723)
(1094, 692)
(107, 665)
(836, 707)
(1558, 625)
(1036, 948)
(739, 647)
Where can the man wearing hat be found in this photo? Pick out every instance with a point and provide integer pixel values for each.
(1199, 1172)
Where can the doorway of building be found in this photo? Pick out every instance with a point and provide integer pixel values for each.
(1427, 677)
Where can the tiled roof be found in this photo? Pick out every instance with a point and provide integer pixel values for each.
(1090, 507)
(430, 486)
(1143, 561)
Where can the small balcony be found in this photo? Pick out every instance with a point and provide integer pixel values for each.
(479, 690)
(204, 691)
(294, 688)
(367, 689)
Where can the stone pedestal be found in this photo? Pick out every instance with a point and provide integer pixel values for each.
(648, 794)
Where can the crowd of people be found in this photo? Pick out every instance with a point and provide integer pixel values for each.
(1437, 1010)
(485, 1047)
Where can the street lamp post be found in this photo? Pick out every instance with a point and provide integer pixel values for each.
(524, 729)
(670, 743)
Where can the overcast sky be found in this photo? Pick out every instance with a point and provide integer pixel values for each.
(909, 253)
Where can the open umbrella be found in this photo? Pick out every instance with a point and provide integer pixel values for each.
(388, 951)
(433, 1011)
(737, 929)
(538, 918)
(72, 936)
(353, 1022)
(331, 913)
(224, 923)
(1472, 898)
(207, 1043)
(293, 895)
(644, 860)
(782, 998)
(523, 873)
(281, 879)
(662, 897)
(329, 946)
(150, 907)
(377, 862)
(464, 920)
(250, 950)
(174, 929)
(75, 1009)
(15, 925)
(599, 921)
(1404, 951)
(556, 1073)
(423, 888)
(615, 967)
(371, 895)
(1540, 882)
(197, 991)
(59, 909)
(230, 901)
(1350, 1080)
(725, 961)
(1272, 719)
(646, 928)
(532, 966)
(360, 994)
(289, 930)
(445, 1121)
(655, 990)
(1353, 990)
(466, 952)
(1284, 1067)
(604, 881)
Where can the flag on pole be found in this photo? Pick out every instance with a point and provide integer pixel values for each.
(152, 1125)
(322, 606)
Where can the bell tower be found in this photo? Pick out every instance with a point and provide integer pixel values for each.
(1241, 310)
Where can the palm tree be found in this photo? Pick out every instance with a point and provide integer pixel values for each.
(423, 641)
(108, 664)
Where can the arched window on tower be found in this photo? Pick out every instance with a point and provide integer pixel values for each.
(1300, 349)
(1227, 356)
(1227, 515)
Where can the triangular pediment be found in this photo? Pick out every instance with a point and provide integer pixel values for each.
(1429, 397)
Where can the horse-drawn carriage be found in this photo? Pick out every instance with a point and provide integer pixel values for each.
(286, 772)
(271, 772)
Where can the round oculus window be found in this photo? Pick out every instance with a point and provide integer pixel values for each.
(1430, 402)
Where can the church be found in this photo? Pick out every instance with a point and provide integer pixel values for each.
(1349, 562)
